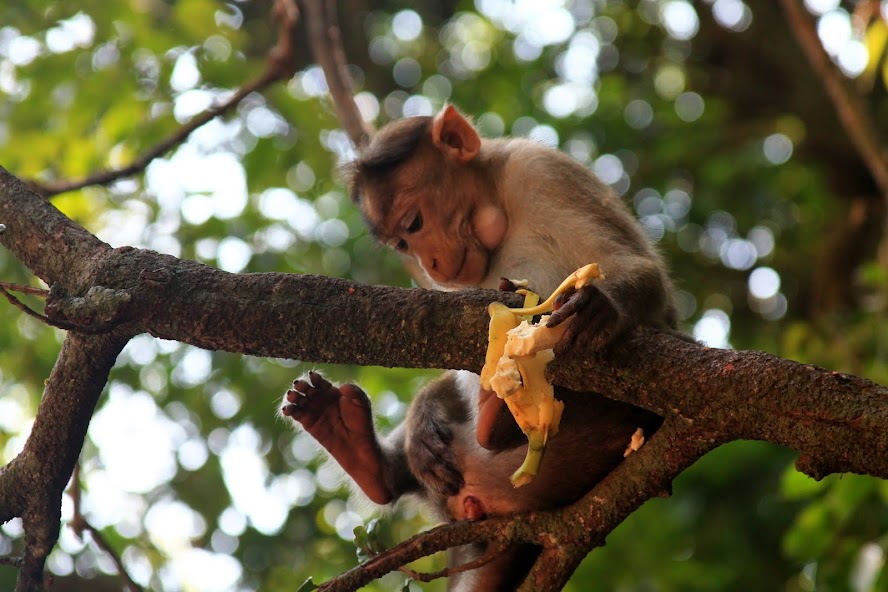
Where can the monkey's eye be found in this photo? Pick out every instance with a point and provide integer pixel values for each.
(415, 225)
(400, 245)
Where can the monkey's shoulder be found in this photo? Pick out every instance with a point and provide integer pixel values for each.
(529, 168)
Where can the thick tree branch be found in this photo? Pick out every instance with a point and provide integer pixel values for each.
(849, 107)
(279, 66)
(31, 485)
(707, 396)
(320, 319)
(40, 236)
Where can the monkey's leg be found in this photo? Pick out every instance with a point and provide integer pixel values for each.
(339, 419)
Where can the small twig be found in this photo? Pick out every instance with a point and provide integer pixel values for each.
(58, 324)
(326, 45)
(12, 561)
(22, 289)
(849, 107)
(79, 524)
(491, 554)
(279, 66)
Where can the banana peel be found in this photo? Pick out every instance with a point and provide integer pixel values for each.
(515, 367)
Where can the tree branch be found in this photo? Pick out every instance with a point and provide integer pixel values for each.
(849, 107)
(31, 485)
(326, 45)
(11, 287)
(707, 396)
(280, 65)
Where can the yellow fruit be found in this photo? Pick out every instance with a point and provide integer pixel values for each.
(515, 367)
(501, 321)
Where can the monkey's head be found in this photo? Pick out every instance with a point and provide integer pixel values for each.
(423, 191)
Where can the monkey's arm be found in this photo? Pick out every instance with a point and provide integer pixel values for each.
(437, 413)
(339, 418)
(634, 292)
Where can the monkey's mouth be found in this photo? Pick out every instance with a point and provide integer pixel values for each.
(457, 279)
(462, 267)
(472, 269)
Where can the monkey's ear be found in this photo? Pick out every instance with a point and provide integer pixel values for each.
(454, 135)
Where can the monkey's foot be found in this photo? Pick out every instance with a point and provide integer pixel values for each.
(339, 418)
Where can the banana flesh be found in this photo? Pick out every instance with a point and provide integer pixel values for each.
(515, 367)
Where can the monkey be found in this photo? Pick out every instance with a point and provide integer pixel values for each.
(465, 212)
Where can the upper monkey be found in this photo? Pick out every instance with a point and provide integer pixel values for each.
(465, 211)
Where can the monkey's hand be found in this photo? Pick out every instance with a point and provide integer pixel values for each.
(595, 318)
(431, 457)
(339, 419)
(496, 429)
(507, 285)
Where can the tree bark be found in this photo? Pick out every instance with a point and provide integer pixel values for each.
(707, 396)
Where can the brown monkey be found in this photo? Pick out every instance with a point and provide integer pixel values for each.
(465, 212)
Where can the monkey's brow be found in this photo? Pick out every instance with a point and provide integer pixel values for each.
(388, 207)
(376, 228)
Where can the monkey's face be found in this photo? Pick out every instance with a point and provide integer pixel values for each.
(437, 215)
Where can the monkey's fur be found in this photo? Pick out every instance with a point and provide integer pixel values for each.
(465, 212)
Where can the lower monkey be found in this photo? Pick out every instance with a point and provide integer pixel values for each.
(435, 454)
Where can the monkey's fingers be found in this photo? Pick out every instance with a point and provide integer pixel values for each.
(311, 383)
(569, 303)
(594, 326)
(432, 459)
(506, 285)
(496, 429)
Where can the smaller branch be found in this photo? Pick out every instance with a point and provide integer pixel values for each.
(554, 568)
(494, 552)
(849, 107)
(58, 324)
(518, 528)
(12, 561)
(279, 66)
(645, 474)
(326, 45)
(22, 289)
(79, 524)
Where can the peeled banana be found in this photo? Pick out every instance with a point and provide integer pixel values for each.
(515, 367)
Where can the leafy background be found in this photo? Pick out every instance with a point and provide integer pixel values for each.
(704, 116)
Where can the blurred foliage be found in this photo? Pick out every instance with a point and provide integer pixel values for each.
(704, 117)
